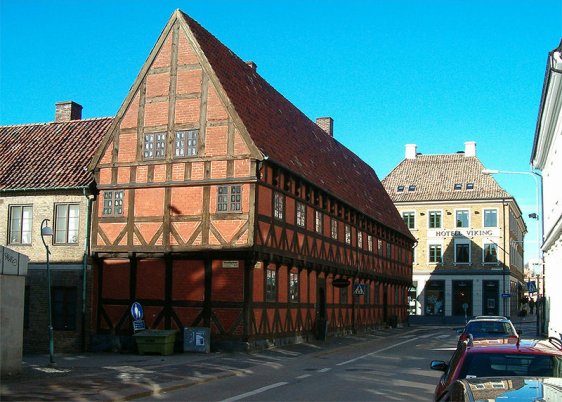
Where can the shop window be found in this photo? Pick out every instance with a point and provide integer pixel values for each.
(434, 298)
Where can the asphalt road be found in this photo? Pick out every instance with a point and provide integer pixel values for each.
(394, 368)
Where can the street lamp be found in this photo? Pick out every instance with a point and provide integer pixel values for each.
(47, 231)
(537, 216)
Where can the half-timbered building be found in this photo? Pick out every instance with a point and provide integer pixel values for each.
(222, 205)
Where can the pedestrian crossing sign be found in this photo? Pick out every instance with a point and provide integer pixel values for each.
(359, 289)
(532, 287)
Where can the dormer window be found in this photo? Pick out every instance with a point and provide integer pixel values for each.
(458, 186)
(400, 189)
(412, 187)
(470, 186)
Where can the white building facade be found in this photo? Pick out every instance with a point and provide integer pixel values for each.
(547, 157)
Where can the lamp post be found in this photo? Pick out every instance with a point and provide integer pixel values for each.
(47, 231)
(537, 216)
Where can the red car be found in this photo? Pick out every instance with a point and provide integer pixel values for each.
(500, 358)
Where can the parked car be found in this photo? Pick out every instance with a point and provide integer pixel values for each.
(488, 327)
(500, 358)
(504, 389)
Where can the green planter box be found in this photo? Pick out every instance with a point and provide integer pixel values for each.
(155, 341)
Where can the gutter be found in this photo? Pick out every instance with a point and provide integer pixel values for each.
(89, 198)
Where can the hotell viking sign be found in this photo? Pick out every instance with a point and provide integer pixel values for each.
(465, 232)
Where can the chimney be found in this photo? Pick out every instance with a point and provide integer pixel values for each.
(411, 150)
(326, 124)
(252, 65)
(67, 111)
(470, 148)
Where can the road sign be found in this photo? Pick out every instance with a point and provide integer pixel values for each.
(506, 295)
(136, 311)
(359, 289)
(532, 287)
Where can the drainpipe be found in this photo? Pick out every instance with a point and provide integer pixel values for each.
(89, 198)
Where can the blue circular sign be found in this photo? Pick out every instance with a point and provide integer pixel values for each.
(136, 311)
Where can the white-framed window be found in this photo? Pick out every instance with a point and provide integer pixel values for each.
(113, 203)
(370, 243)
(490, 216)
(318, 219)
(334, 228)
(186, 143)
(278, 206)
(359, 239)
(462, 251)
(67, 217)
(229, 198)
(347, 234)
(379, 246)
(301, 214)
(409, 219)
(435, 220)
(435, 254)
(21, 218)
(154, 146)
(293, 287)
(490, 253)
(270, 285)
(462, 218)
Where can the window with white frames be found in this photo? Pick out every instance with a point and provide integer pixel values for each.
(270, 285)
(435, 253)
(462, 251)
(379, 246)
(370, 243)
(359, 239)
(301, 214)
(409, 219)
(318, 221)
(20, 224)
(347, 234)
(434, 219)
(154, 146)
(278, 206)
(66, 223)
(490, 218)
(462, 220)
(113, 203)
(490, 251)
(293, 287)
(334, 229)
(186, 143)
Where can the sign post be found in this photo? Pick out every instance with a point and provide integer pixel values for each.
(137, 314)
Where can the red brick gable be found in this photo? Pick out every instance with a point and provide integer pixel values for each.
(289, 138)
(50, 155)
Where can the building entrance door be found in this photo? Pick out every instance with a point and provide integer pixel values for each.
(462, 297)
(490, 291)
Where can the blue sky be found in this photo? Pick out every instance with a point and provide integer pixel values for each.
(435, 73)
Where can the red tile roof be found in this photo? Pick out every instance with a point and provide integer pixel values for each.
(289, 138)
(49, 155)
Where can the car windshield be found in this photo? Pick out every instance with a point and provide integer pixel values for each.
(503, 364)
(495, 329)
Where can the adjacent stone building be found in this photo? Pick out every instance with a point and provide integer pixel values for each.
(469, 231)
(43, 175)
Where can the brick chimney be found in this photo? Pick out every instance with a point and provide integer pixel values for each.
(326, 124)
(470, 148)
(67, 111)
(252, 65)
(411, 151)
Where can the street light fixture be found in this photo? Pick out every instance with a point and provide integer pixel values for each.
(47, 231)
(536, 215)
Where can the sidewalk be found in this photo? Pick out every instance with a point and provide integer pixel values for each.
(119, 377)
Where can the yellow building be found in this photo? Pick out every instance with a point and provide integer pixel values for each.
(469, 256)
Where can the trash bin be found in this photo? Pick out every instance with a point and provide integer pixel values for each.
(197, 339)
(155, 341)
